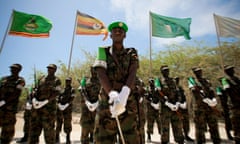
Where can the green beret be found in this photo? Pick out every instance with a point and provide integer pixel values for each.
(118, 24)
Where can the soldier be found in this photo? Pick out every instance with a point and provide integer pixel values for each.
(10, 90)
(169, 107)
(183, 109)
(45, 106)
(138, 93)
(226, 109)
(153, 113)
(232, 86)
(89, 91)
(27, 117)
(64, 110)
(116, 67)
(204, 105)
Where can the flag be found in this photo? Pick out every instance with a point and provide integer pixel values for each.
(169, 27)
(29, 25)
(88, 25)
(227, 27)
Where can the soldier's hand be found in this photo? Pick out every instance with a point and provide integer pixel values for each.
(155, 106)
(171, 106)
(91, 106)
(117, 109)
(2, 102)
(113, 96)
(123, 95)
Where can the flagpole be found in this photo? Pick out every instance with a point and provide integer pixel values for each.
(70, 56)
(150, 45)
(6, 32)
(219, 44)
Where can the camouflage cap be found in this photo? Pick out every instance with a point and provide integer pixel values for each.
(195, 69)
(17, 66)
(68, 79)
(118, 24)
(227, 67)
(164, 67)
(52, 66)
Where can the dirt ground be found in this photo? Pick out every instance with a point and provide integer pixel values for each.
(75, 135)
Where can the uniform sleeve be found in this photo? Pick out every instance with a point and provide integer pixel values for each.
(101, 58)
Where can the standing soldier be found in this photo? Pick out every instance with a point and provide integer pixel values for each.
(204, 107)
(226, 109)
(27, 117)
(169, 107)
(89, 91)
(153, 113)
(138, 93)
(64, 110)
(183, 109)
(44, 107)
(232, 87)
(10, 91)
(116, 67)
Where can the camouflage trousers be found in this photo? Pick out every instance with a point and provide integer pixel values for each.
(43, 119)
(236, 124)
(171, 117)
(87, 124)
(64, 118)
(7, 123)
(153, 116)
(203, 117)
(27, 120)
(106, 128)
(185, 121)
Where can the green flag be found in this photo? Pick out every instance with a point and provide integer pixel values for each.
(169, 27)
(29, 25)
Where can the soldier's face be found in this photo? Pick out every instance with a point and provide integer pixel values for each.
(51, 71)
(117, 34)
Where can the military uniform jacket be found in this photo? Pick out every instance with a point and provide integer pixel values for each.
(170, 90)
(10, 90)
(67, 96)
(234, 91)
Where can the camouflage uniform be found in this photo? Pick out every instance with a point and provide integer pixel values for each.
(106, 127)
(169, 115)
(138, 93)
(44, 116)
(27, 118)
(153, 112)
(89, 94)
(203, 113)
(183, 110)
(233, 90)
(64, 111)
(10, 91)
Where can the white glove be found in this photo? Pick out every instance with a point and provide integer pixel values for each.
(2, 102)
(91, 106)
(63, 107)
(171, 106)
(38, 104)
(183, 105)
(213, 102)
(20, 86)
(141, 100)
(206, 100)
(117, 109)
(28, 106)
(155, 106)
(113, 96)
(123, 95)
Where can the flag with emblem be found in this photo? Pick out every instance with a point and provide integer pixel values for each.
(29, 25)
(227, 27)
(88, 25)
(169, 27)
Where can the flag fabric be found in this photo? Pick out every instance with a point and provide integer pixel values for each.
(29, 25)
(88, 25)
(169, 27)
(227, 27)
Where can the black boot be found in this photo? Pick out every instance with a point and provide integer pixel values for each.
(91, 137)
(68, 141)
(57, 138)
(23, 139)
(149, 137)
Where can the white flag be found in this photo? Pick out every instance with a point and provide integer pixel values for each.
(227, 27)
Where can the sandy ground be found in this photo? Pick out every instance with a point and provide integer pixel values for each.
(75, 135)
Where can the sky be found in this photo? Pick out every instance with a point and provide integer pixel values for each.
(39, 52)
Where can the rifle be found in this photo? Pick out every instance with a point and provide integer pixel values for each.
(158, 85)
(199, 89)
